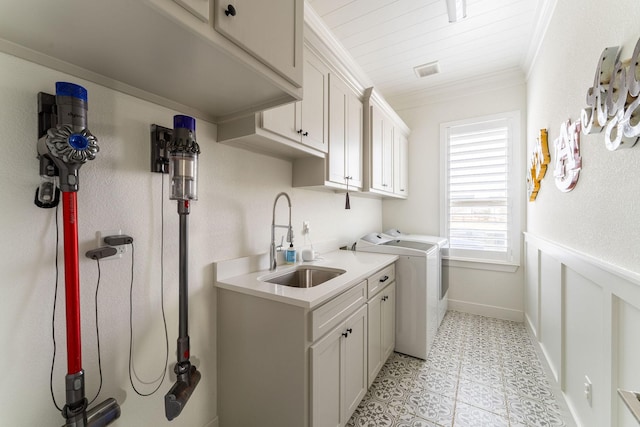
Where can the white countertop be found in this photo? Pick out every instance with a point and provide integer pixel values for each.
(357, 265)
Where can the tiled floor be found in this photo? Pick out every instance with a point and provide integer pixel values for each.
(480, 372)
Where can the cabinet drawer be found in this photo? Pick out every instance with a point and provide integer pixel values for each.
(331, 314)
(380, 279)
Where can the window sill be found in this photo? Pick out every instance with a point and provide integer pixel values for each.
(477, 264)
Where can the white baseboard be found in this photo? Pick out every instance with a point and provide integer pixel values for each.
(213, 423)
(529, 324)
(486, 310)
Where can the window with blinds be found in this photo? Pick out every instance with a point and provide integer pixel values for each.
(478, 194)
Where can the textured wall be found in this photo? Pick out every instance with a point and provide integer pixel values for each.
(230, 219)
(599, 217)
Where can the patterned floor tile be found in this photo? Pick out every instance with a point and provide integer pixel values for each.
(470, 416)
(479, 372)
(490, 375)
(484, 397)
(438, 382)
(534, 413)
(443, 362)
(432, 407)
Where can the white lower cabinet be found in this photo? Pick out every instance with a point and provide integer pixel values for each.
(339, 372)
(283, 365)
(382, 314)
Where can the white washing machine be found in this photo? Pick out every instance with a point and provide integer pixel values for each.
(416, 290)
(443, 244)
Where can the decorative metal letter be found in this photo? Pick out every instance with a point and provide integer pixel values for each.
(567, 154)
(613, 101)
(594, 117)
(538, 165)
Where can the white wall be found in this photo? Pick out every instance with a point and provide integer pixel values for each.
(599, 217)
(582, 299)
(483, 292)
(231, 219)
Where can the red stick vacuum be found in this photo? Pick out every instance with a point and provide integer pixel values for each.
(66, 146)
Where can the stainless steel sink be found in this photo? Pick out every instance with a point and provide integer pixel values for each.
(304, 276)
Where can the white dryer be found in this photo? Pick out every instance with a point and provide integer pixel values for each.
(416, 290)
(443, 243)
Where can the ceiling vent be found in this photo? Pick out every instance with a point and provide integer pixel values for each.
(427, 69)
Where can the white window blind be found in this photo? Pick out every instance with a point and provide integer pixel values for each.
(478, 205)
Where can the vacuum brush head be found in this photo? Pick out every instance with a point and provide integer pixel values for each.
(176, 399)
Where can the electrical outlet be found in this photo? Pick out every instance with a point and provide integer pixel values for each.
(305, 227)
(121, 249)
(588, 391)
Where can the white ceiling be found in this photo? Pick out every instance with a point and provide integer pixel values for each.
(388, 38)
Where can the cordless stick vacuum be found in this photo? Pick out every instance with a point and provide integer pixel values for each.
(64, 145)
(183, 170)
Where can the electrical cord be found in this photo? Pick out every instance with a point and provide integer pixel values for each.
(53, 319)
(53, 322)
(98, 333)
(164, 319)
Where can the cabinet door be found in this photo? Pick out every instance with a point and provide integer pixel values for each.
(354, 140)
(381, 151)
(314, 103)
(387, 156)
(269, 30)
(283, 120)
(374, 357)
(388, 321)
(337, 130)
(326, 367)
(400, 165)
(355, 363)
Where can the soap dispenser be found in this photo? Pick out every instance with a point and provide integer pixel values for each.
(290, 254)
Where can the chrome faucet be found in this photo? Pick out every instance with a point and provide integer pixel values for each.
(272, 252)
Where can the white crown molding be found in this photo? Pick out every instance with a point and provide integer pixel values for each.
(323, 42)
(319, 38)
(543, 19)
(371, 94)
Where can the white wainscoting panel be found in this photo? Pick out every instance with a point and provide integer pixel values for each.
(551, 332)
(627, 357)
(583, 324)
(532, 289)
(584, 315)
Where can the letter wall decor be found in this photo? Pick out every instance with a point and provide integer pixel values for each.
(612, 102)
(538, 165)
(567, 156)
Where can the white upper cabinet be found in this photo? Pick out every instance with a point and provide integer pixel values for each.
(381, 150)
(345, 135)
(168, 51)
(292, 130)
(305, 121)
(386, 149)
(342, 164)
(269, 30)
(401, 164)
(354, 140)
(314, 104)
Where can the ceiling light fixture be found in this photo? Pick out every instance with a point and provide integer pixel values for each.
(427, 69)
(457, 10)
